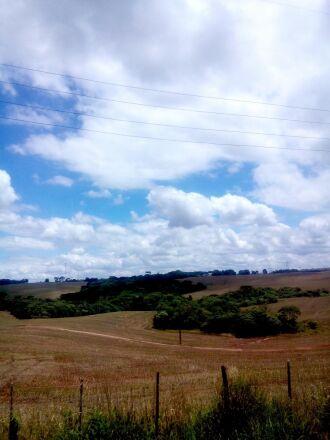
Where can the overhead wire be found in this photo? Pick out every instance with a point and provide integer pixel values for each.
(187, 141)
(184, 109)
(170, 92)
(221, 130)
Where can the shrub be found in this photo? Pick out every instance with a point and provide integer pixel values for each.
(246, 408)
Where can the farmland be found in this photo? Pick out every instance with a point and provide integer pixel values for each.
(117, 355)
(305, 280)
(42, 290)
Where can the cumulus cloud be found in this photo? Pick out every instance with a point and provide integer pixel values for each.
(7, 193)
(291, 186)
(182, 230)
(15, 242)
(192, 209)
(187, 47)
(249, 51)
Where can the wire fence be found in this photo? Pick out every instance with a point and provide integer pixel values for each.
(157, 396)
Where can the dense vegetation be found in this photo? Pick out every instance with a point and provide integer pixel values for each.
(6, 281)
(242, 313)
(232, 312)
(115, 294)
(246, 414)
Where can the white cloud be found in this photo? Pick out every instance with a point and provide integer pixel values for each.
(249, 50)
(60, 181)
(192, 209)
(291, 186)
(188, 47)
(87, 245)
(180, 208)
(15, 242)
(99, 194)
(8, 195)
(57, 180)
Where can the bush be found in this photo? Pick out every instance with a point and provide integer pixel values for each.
(246, 408)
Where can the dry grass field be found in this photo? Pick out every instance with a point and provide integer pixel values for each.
(42, 290)
(118, 354)
(222, 284)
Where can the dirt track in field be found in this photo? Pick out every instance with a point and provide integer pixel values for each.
(143, 341)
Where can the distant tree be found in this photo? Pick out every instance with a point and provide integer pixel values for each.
(244, 272)
(288, 316)
(217, 272)
(47, 280)
(264, 271)
(59, 279)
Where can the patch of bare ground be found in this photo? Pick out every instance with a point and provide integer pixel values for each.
(219, 285)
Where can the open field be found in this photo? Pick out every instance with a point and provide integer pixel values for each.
(222, 284)
(118, 355)
(215, 285)
(42, 290)
(317, 309)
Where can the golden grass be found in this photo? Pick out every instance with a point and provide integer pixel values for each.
(42, 290)
(223, 284)
(118, 355)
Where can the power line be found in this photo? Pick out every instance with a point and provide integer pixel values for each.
(184, 109)
(170, 92)
(186, 141)
(37, 107)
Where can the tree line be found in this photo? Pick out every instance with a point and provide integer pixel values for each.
(242, 313)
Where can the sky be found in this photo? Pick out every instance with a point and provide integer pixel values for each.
(152, 136)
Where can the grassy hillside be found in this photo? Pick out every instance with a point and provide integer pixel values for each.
(215, 285)
(118, 354)
(311, 308)
(42, 290)
(223, 284)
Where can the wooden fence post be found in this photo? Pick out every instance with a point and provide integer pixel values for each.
(225, 386)
(157, 406)
(180, 336)
(81, 394)
(288, 368)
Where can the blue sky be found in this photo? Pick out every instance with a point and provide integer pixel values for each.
(159, 195)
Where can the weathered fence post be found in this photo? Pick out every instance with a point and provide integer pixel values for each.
(180, 336)
(225, 386)
(157, 406)
(288, 367)
(81, 395)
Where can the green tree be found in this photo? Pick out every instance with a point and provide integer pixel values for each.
(288, 316)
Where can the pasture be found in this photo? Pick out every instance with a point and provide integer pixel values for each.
(42, 290)
(222, 284)
(118, 355)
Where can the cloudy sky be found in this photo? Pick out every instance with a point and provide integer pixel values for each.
(150, 136)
